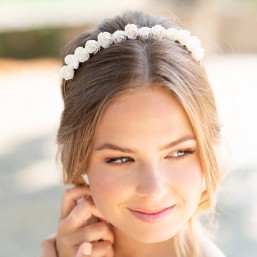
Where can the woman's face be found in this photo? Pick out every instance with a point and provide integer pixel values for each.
(145, 174)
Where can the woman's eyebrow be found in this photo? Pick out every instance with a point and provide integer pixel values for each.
(109, 146)
(178, 141)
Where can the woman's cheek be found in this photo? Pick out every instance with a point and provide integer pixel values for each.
(187, 179)
(110, 183)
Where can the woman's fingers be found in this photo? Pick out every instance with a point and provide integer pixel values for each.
(96, 232)
(82, 228)
(85, 249)
(70, 198)
(79, 216)
(96, 249)
(91, 233)
(102, 248)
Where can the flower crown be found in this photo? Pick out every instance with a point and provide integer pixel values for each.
(105, 39)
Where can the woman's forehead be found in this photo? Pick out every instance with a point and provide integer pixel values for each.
(148, 113)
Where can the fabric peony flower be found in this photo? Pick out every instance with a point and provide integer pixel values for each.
(183, 36)
(172, 34)
(192, 43)
(131, 31)
(81, 54)
(105, 39)
(92, 46)
(158, 31)
(144, 32)
(119, 36)
(67, 72)
(198, 53)
(72, 61)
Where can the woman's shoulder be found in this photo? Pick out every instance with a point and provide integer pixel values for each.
(209, 249)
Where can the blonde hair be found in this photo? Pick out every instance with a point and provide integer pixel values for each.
(117, 70)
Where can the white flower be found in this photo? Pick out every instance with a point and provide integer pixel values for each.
(192, 43)
(183, 36)
(67, 72)
(144, 32)
(131, 31)
(172, 34)
(105, 39)
(158, 31)
(72, 61)
(81, 54)
(119, 36)
(198, 53)
(92, 46)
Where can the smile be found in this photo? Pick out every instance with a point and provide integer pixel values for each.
(152, 216)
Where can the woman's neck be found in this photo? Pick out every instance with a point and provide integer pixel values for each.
(125, 246)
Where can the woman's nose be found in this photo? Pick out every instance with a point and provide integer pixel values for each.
(152, 183)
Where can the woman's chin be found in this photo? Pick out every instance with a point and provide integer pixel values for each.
(151, 238)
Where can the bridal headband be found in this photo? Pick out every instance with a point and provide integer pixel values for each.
(105, 39)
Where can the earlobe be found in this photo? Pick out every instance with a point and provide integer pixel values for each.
(85, 178)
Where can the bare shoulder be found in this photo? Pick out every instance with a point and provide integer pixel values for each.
(209, 249)
(48, 247)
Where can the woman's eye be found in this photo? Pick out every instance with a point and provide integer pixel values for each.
(119, 160)
(181, 153)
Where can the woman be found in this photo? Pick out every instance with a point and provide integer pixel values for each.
(139, 126)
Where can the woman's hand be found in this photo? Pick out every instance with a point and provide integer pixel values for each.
(77, 236)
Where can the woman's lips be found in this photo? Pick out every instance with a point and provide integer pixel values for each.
(152, 216)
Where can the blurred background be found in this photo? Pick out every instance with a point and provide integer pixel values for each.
(32, 33)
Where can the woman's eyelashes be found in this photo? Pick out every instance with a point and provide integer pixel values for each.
(180, 153)
(177, 155)
(119, 160)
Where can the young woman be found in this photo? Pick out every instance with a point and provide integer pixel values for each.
(137, 139)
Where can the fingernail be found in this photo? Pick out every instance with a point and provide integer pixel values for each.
(87, 248)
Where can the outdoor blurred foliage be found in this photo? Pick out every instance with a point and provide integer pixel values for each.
(47, 40)
(232, 26)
